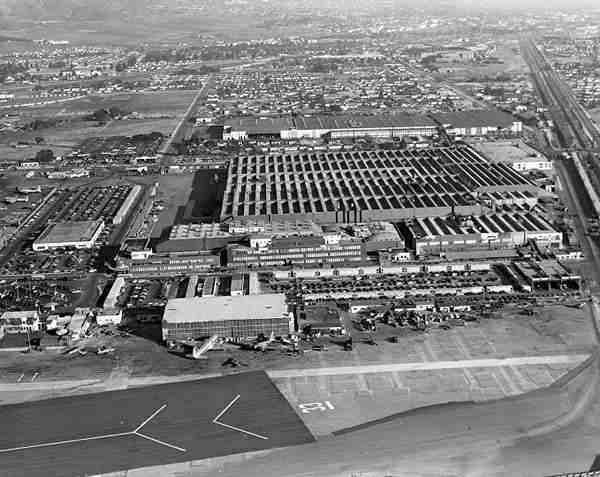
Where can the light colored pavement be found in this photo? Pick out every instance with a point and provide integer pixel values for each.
(430, 366)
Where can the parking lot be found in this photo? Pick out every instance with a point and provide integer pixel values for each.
(387, 282)
(90, 203)
(72, 204)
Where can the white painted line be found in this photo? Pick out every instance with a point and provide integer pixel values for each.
(180, 449)
(150, 418)
(216, 420)
(240, 430)
(234, 400)
(104, 436)
(21, 378)
(70, 441)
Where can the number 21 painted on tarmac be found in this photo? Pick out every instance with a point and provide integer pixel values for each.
(316, 406)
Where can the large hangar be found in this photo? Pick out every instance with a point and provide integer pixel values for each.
(358, 186)
(234, 317)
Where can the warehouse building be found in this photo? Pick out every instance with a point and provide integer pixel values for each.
(211, 236)
(483, 122)
(545, 275)
(194, 237)
(519, 155)
(378, 236)
(127, 204)
(168, 264)
(239, 129)
(331, 126)
(76, 234)
(235, 317)
(360, 186)
(437, 235)
(354, 126)
(328, 249)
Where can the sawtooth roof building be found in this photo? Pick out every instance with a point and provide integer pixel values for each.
(360, 186)
(439, 235)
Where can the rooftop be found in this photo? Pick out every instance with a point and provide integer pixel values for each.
(66, 232)
(432, 227)
(509, 151)
(225, 308)
(360, 122)
(475, 118)
(260, 125)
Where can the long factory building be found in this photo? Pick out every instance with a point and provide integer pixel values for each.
(359, 186)
(438, 235)
(332, 126)
(462, 123)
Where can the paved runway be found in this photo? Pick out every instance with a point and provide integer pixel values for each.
(162, 424)
(431, 365)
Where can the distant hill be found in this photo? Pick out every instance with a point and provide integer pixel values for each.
(4, 38)
(39, 10)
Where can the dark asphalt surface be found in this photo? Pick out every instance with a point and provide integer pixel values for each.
(186, 422)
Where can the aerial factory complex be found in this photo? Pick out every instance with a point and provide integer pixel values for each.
(364, 241)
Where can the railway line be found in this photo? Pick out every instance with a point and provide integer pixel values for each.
(572, 122)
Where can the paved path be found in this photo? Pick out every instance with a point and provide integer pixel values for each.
(430, 366)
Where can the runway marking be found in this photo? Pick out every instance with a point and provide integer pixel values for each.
(235, 399)
(150, 418)
(153, 439)
(69, 441)
(135, 432)
(244, 431)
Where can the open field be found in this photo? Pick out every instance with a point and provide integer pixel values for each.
(161, 27)
(62, 139)
(74, 135)
(147, 426)
(164, 102)
(12, 154)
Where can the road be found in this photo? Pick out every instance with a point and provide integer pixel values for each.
(179, 130)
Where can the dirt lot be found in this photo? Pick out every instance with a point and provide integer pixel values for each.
(164, 102)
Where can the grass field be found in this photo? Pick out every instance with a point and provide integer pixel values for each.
(84, 129)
